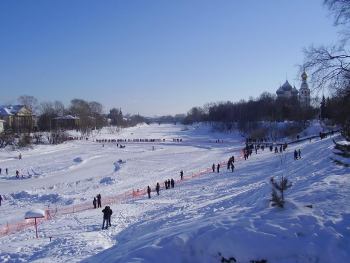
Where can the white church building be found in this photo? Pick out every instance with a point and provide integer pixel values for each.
(303, 94)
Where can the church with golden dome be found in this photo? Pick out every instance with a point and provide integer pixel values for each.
(286, 91)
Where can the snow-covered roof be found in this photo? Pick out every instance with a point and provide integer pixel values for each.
(9, 110)
(67, 117)
(4, 111)
(38, 213)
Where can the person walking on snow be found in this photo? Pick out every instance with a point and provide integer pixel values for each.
(149, 191)
(166, 184)
(232, 167)
(17, 174)
(295, 155)
(213, 167)
(299, 154)
(157, 188)
(172, 182)
(0, 199)
(218, 168)
(7, 171)
(181, 174)
(99, 200)
(94, 202)
(107, 212)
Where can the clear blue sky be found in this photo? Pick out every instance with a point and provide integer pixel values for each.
(155, 56)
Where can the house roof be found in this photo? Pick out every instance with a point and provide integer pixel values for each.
(67, 117)
(9, 110)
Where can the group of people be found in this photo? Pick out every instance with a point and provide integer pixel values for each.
(128, 140)
(6, 171)
(297, 154)
(107, 211)
(168, 184)
(97, 201)
(217, 168)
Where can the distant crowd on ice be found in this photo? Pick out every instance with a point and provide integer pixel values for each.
(135, 140)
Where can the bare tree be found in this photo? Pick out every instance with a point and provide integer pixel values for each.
(29, 101)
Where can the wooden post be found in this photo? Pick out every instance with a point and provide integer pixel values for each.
(36, 228)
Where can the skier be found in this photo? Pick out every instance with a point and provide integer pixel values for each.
(149, 191)
(181, 174)
(99, 200)
(213, 167)
(172, 182)
(7, 171)
(157, 188)
(218, 168)
(17, 174)
(94, 202)
(20, 156)
(0, 199)
(299, 154)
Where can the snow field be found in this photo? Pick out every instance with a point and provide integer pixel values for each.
(227, 212)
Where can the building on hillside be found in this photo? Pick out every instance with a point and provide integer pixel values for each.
(67, 122)
(286, 91)
(18, 118)
(2, 125)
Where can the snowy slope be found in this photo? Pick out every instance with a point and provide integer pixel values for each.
(226, 212)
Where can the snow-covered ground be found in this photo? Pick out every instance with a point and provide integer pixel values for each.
(227, 213)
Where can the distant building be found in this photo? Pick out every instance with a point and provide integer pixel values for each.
(67, 122)
(286, 91)
(18, 118)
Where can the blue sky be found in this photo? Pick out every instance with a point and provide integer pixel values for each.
(155, 56)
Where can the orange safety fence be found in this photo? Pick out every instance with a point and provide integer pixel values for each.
(12, 228)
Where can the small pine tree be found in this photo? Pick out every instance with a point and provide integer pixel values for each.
(281, 186)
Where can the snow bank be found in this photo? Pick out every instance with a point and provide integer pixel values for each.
(38, 213)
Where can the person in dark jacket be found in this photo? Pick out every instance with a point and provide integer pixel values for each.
(99, 200)
(107, 213)
(172, 183)
(213, 167)
(17, 174)
(181, 174)
(299, 154)
(149, 191)
(94, 202)
(157, 188)
(166, 184)
(218, 168)
(0, 199)
(295, 155)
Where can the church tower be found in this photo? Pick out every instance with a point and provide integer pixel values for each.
(304, 92)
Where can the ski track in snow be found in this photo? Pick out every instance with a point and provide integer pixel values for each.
(226, 212)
